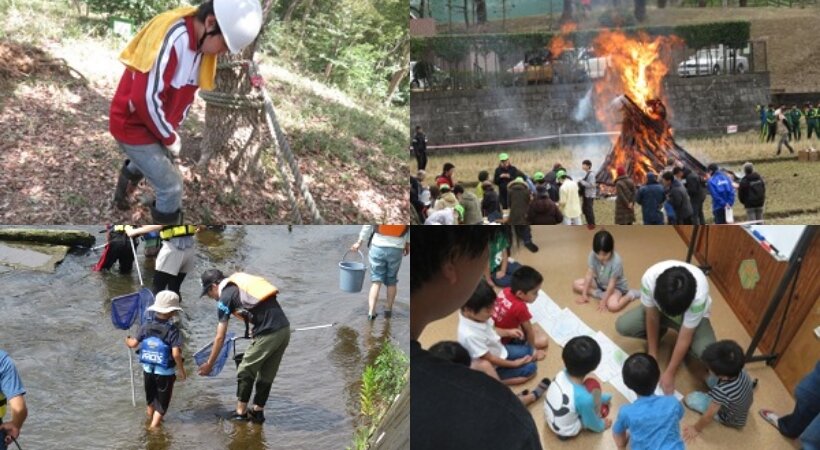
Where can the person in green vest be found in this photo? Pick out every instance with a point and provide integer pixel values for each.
(795, 114)
(761, 110)
(771, 124)
(812, 116)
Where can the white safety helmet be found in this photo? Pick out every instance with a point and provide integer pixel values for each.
(239, 21)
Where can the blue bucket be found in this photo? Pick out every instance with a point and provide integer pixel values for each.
(351, 274)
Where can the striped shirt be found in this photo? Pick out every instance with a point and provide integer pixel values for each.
(735, 398)
(147, 108)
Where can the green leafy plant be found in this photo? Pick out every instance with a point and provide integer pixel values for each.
(139, 11)
(382, 381)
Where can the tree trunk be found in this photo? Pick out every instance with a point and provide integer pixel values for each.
(236, 135)
(466, 15)
(423, 9)
(291, 8)
(395, 80)
(662, 4)
(566, 16)
(640, 10)
(743, 3)
(70, 238)
(481, 11)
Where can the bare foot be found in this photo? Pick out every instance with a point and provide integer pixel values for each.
(581, 300)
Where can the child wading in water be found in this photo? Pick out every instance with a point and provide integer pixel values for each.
(160, 344)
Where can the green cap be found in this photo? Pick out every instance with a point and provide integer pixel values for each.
(503, 157)
(560, 174)
(539, 176)
(460, 210)
(443, 187)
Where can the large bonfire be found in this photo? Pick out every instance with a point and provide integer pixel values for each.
(629, 99)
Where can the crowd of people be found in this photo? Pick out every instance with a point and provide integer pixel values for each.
(676, 195)
(784, 124)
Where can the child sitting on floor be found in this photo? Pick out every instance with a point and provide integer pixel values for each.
(653, 421)
(572, 403)
(511, 364)
(512, 314)
(731, 389)
(605, 278)
(456, 353)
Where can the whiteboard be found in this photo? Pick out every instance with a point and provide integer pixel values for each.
(783, 237)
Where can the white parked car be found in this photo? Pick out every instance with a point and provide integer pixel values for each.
(713, 62)
(594, 65)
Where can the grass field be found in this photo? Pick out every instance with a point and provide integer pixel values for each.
(793, 193)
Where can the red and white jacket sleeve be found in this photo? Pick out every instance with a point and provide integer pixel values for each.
(147, 89)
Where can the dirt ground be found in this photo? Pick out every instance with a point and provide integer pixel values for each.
(59, 164)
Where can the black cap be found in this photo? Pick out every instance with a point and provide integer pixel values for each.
(210, 277)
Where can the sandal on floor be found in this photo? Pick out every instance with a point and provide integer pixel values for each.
(769, 416)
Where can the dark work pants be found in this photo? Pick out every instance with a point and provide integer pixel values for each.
(421, 160)
(589, 213)
(163, 281)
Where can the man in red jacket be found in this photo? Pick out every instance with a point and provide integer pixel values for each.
(167, 62)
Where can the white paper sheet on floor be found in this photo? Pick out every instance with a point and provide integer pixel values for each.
(561, 324)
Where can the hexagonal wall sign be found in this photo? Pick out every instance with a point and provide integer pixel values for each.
(749, 276)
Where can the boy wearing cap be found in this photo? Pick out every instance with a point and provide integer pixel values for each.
(504, 174)
(568, 199)
(160, 344)
(253, 299)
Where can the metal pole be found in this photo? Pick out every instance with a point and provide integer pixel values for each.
(131, 371)
(794, 263)
(693, 242)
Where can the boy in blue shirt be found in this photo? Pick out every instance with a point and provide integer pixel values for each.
(653, 421)
(160, 344)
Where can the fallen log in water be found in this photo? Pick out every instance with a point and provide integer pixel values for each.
(71, 238)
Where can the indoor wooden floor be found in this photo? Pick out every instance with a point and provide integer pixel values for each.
(561, 259)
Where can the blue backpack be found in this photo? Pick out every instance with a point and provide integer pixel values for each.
(153, 349)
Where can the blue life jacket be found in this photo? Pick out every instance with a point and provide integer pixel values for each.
(154, 350)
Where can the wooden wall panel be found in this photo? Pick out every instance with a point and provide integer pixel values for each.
(802, 352)
(724, 248)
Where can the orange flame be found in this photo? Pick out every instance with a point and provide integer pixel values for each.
(636, 68)
(559, 43)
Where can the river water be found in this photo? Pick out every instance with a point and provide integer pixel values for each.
(57, 328)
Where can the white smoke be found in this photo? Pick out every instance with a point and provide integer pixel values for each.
(584, 107)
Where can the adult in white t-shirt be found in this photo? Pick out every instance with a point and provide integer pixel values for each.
(674, 294)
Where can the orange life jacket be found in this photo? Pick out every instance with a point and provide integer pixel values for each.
(392, 230)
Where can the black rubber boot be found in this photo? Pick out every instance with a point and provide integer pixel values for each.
(160, 218)
(125, 182)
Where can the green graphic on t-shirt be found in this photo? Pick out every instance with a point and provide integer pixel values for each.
(749, 276)
(497, 246)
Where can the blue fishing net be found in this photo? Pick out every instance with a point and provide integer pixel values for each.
(201, 356)
(126, 308)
